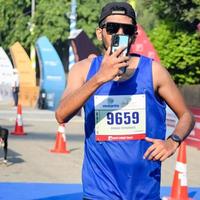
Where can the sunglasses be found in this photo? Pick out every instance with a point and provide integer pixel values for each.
(112, 28)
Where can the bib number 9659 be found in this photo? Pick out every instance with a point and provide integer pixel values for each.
(122, 118)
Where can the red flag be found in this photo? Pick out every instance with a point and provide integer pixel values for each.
(143, 45)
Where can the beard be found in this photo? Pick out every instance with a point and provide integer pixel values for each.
(104, 44)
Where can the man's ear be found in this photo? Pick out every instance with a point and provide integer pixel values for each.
(99, 33)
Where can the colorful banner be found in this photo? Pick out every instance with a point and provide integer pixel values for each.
(82, 45)
(6, 74)
(23, 64)
(52, 80)
(194, 138)
(143, 45)
(28, 92)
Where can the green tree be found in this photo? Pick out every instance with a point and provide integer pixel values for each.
(174, 35)
(176, 42)
(184, 14)
(51, 20)
(145, 16)
(14, 18)
(179, 52)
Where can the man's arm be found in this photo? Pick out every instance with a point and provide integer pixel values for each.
(79, 90)
(166, 88)
(76, 92)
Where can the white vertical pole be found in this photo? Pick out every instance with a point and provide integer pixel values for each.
(32, 52)
(32, 8)
(72, 30)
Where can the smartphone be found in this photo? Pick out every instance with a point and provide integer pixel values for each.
(120, 41)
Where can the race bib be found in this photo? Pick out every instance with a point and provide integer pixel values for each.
(120, 117)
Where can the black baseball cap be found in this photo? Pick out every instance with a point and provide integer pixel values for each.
(117, 8)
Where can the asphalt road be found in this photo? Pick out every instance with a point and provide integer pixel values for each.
(30, 159)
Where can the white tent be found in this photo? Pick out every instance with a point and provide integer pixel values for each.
(6, 76)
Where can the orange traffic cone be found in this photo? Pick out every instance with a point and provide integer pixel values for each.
(19, 130)
(179, 187)
(60, 144)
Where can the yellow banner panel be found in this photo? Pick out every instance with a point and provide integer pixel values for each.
(22, 63)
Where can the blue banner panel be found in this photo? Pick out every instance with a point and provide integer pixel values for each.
(52, 75)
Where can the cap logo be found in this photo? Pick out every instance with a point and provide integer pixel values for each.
(120, 12)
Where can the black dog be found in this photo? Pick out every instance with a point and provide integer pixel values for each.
(4, 140)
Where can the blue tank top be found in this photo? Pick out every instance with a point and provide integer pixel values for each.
(116, 170)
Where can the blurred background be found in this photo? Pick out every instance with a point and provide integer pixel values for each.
(67, 29)
(42, 39)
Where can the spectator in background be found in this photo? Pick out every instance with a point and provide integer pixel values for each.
(15, 86)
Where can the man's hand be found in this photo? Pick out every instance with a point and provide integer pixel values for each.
(111, 64)
(160, 149)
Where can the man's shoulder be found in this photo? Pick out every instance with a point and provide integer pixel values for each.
(161, 75)
(158, 66)
(84, 63)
